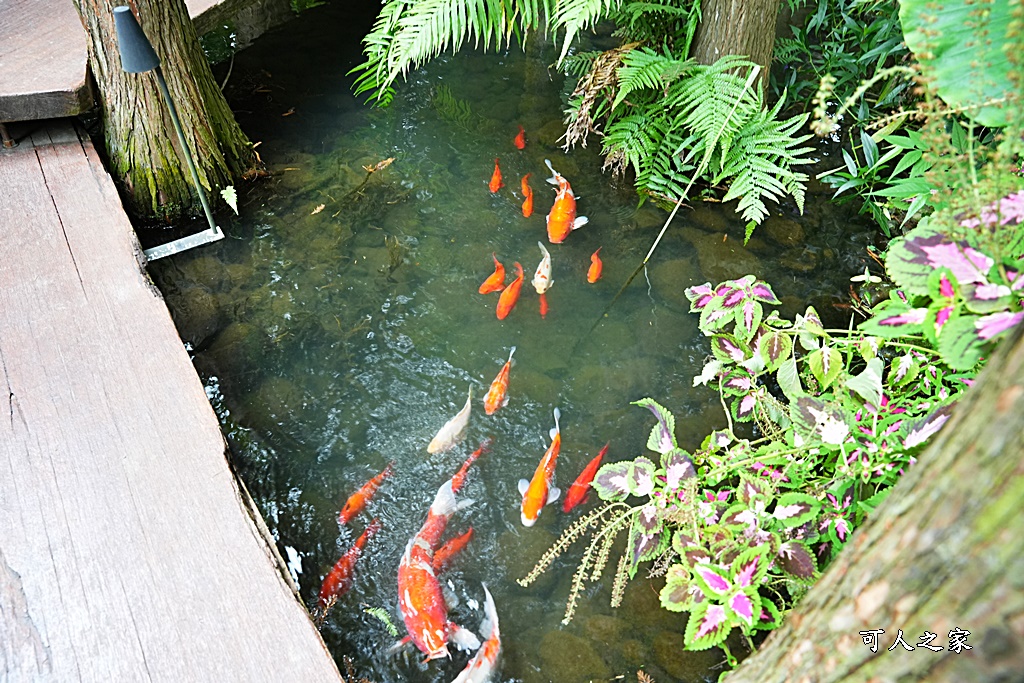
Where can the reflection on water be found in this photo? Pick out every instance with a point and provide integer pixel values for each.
(338, 327)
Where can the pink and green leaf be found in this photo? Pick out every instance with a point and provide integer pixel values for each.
(797, 560)
(707, 627)
(611, 482)
(794, 509)
(663, 438)
(712, 579)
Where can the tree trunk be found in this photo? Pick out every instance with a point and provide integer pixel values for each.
(945, 551)
(737, 27)
(144, 154)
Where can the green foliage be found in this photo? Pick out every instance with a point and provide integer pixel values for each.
(674, 122)
(963, 51)
(850, 40)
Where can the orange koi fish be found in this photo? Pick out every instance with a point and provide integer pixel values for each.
(509, 297)
(460, 477)
(358, 500)
(419, 593)
(577, 493)
(445, 553)
(594, 274)
(542, 279)
(497, 394)
(527, 196)
(339, 580)
(495, 183)
(562, 218)
(539, 491)
(481, 667)
(521, 139)
(453, 430)
(495, 282)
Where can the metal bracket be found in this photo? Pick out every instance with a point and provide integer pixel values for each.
(185, 243)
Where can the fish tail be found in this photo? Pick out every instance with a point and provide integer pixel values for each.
(444, 502)
(511, 352)
(490, 623)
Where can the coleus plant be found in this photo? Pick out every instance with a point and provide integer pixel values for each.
(958, 298)
(741, 526)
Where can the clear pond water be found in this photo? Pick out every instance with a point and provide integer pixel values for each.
(339, 326)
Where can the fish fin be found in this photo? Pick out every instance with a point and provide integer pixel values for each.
(511, 352)
(444, 502)
(489, 626)
(580, 222)
(463, 504)
(505, 402)
(463, 638)
(553, 493)
(553, 179)
(553, 432)
(523, 486)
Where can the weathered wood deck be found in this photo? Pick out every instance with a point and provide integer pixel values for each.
(127, 551)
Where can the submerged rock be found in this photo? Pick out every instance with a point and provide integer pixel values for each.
(196, 314)
(669, 280)
(681, 664)
(784, 231)
(721, 257)
(567, 658)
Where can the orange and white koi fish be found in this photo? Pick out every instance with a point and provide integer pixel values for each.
(596, 266)
(520, 140)
(453, 430)
(495, 183)
(495, 282)
(539, 491)
(509, 297)
(444, 554)
(497, 395)
(358, 500)
(527, 196)
(480, 669)
(419, 593)
(562, 218)
(339, 580)
(542, 279)
(577, 493)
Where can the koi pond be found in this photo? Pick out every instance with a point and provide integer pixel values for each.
(338, 327)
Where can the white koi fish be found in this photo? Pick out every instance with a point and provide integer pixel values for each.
(453, 430)
(481, 667)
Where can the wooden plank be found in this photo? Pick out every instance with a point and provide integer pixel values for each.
(43, 55)
(127, 551)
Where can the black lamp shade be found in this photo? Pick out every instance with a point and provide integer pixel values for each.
(137, 54)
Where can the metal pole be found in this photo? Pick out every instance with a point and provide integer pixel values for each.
(184, 147)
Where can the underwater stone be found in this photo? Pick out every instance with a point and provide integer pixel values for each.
(206, 271)
(602, 628)
(649, 217)
(196, 314)
(548, 135)
(708, 215)
(679, 663)
(721, 260)
(240, 274)
(784, 231)
(567, 658)
(669, 280)
(799, 260)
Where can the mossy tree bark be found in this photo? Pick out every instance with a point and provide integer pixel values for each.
(737, 27)
(144, 154)
(945, 551)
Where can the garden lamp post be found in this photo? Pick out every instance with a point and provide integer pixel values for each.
(138, 56)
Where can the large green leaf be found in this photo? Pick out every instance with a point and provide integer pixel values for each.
(962, 48)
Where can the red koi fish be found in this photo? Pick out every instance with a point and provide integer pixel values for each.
(495, 183)
(562, 218)
(509, 297)
(495, 282)
(339, 580)
(527, 196)
(481, 667)
(358, 500)
(460, 477)
(445, 553)
(577, 493)
(539, 491)
(497, 395)
(419, 593)
(521, 139)
(596, 266)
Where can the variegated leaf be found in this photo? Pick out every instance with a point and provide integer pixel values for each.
(794, 509)
(699, 296)
(678, 593)
(776, 347)
(611, 482)
(868, 384)
(826, 363)
(797, 561)
(707, 626)
(663, 438)
(678, 466)
(750, 567)
(728, 349)
(640, 478)
(712, 579)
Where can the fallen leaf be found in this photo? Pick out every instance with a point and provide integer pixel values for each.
(289, 112)
(318, 209)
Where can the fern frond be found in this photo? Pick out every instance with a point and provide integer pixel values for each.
(645, 68)
(577, 15)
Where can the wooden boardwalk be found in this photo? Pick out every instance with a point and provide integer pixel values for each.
(127, 550)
